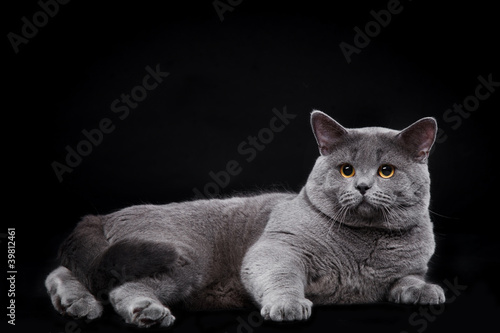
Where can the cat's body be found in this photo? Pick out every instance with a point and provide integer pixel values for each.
(212, 235)
(357, 232)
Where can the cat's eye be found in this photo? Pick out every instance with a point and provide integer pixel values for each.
(386, 171)
(347, 170)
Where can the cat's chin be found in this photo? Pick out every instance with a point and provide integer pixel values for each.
(365, 209)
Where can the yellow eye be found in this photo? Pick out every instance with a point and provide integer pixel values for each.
(386, 171)
(347, 170)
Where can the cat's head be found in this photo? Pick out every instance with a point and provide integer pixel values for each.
(371, 176)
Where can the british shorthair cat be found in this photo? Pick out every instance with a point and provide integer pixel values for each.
(359, 231)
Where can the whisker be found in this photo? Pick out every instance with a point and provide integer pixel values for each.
(387, 214)
(446, 217)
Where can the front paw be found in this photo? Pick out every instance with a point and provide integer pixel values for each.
(287, 309)
(425, 293)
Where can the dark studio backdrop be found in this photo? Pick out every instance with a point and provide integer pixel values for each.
(113, 104)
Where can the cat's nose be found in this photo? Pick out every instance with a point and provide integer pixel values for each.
(362, 188)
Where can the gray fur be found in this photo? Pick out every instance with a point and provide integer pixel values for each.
(70, 297)
(328, 244)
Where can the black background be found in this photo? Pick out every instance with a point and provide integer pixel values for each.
(225, 79)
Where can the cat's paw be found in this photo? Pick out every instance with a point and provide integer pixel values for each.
(146, 313)
(69, 297)
(287, 309)
(86, 307)
(425, 293)
(77, 306)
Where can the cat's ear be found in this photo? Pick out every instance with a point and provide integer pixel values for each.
(419, 137)
(327, 131)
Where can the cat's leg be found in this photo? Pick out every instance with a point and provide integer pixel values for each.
(275, 277)
(413, 289)
(138, 303)
(144, 301)
(70, 297)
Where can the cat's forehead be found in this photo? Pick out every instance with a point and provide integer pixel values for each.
(369, 145)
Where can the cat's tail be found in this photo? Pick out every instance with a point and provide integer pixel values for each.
(101, 266)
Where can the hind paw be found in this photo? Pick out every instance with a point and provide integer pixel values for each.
(70, 297)
(86, 307)
(147, 312)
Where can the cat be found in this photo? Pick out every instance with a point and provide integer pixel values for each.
(359, 231)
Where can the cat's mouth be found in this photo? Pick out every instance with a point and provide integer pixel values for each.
(365, 206)
(369, 205)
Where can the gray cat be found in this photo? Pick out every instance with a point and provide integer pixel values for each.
(359, 231)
